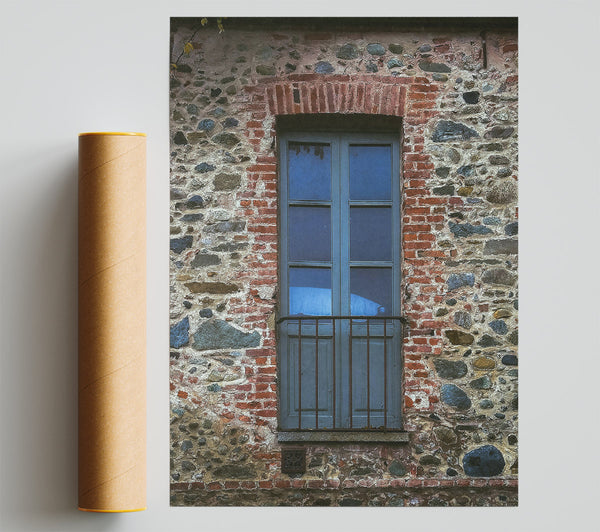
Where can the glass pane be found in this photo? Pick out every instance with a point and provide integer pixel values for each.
(310, 291)
(370, 233)
(371, 291)
(370, 172)
(309, 233)
(309, 169)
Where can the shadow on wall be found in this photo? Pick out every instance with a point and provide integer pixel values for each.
(38, 377)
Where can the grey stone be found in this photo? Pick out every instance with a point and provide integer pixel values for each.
(498, 276)
(471, 97)
(428, 66)
(482, 383)
(347, 51)
(466, 229)
(450, 369)
(179, 244)
(510, 360)
(454, 396)
(323, 67)
(424, 48)
(371, 67)
(192, 109)
(445, 190)
(507, 246)
(447, 130)
(486, 461)
(457, 280)
(179, 138)
(441, 312)
(215, 92)
(451, 472)
(226, 227)
(207, 124)
(234, 471)
(513, 337)
(463, 319)
(511, 229)
(225, 181)
(486, 404)
(177, 194)
(186, 465)
(394, 62)
(491, 220)
(439, 77)
(487, 341)
(512, 439)
(204, 167)
(499, 132)
(396, 48)
(196, 217)
(453, 155)
(499, 160)
(214, 387)
(499, 326)
(265, 70)
(397, 469)
(195, 202)
(186, 445)
(492, 146)
(504, 172)
(218, 334)
(179, 333)
(230, 122)
(205, 259)
(443, 171)
(206, 313)
(466, 171)
(375, 49)
(226, 139)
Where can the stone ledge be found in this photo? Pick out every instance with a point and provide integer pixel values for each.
(332, 436)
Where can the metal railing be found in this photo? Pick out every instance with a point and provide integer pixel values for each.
(344, 330)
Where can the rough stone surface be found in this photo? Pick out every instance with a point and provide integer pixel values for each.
(458, 280)
(499, 276)
(486, 461)
(454, 396)
(323, 67)
(447, 131)
(179, 333)
(459, 337)
(450, 369)
(463, 319)
(506, 246)
(218, 334)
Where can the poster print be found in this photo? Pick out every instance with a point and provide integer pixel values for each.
(343, 266)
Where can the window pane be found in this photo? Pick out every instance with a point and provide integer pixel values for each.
(309, 169)
(370, 233)
(309, 233)
(370, 172)
(310, 291)
(371, 291)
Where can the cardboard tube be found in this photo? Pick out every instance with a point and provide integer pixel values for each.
(112, 322)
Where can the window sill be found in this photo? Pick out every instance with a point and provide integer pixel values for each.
(330, 436)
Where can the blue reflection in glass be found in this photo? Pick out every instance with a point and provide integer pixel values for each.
(371, 291)
(370, 172)
(309, 170)
(309, 233)
(310, 291)
(370, 233)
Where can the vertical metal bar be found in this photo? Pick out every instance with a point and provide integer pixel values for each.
(334, 376)
(385, 378)
(317, 373)
(299, 373)
(368, 375)
(350, 367)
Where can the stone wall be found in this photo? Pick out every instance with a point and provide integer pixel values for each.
(455, 90)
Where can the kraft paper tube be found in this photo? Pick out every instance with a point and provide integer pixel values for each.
(112, 322)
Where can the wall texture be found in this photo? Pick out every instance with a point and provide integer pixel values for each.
(455, 90)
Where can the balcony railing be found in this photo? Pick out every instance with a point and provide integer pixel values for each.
(340, 373)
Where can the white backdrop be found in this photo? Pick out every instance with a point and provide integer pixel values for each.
(79, 66)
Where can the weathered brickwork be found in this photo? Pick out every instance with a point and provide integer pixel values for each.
(456, 95)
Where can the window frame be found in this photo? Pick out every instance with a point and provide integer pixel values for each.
(340, 263)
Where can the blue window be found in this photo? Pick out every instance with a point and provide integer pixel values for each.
(339, 333)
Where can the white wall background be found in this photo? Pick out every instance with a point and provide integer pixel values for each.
(79, 66)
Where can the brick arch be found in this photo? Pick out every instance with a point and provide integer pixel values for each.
(414, 100)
